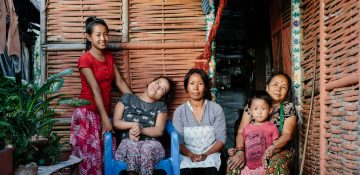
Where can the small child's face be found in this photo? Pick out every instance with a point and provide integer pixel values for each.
(259, 110)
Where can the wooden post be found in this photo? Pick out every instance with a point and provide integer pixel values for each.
(323, 93)
(42, 41)
(125, 38)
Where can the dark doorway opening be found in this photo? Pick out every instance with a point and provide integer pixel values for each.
(243, 56)
(252, 41)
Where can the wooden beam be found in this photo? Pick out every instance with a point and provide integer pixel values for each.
(322, 87)
(127, 46)
(125, 20)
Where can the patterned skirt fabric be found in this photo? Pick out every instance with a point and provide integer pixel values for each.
(247, 171)
(142, 156)
(280, 164)
(85, 138)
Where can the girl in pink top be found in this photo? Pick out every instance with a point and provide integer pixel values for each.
(258, 136)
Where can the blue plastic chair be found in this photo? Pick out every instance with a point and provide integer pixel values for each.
(170, 165)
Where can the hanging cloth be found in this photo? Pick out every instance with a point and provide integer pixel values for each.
(13, 41)
(206, 55)
(3, 14)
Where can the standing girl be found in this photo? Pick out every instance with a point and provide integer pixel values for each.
(97, 72)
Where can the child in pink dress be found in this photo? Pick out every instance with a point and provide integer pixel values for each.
(258, 136)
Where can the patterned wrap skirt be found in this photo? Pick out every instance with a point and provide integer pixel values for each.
(85, 138)
(141, 156)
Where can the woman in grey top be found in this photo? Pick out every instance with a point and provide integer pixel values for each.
(201, 125)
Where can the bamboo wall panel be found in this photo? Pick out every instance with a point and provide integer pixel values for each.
(173, 63)
(166, 21)
(310, 27)
(177, 23)
(342, 85)
(66, 18)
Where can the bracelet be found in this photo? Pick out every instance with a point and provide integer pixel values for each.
(238, 151)
(273, 144)
(239, 148)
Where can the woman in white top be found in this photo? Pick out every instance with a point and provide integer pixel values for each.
(201, 125)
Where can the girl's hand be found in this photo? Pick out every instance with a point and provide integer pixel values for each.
(133, 138)
(106, 126)
(269, 152)
(265, 160)
(231, 152)
(135, 130)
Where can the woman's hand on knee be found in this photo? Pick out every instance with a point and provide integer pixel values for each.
(231, 151)
(237, 161)
(195, 157)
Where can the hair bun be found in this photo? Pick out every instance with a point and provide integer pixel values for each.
(89, 20)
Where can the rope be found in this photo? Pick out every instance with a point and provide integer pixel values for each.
(206, 55)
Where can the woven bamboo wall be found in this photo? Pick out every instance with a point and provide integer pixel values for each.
(66, 19)
(164, 38)
(342, 85)
(176, 21)
(310, 26)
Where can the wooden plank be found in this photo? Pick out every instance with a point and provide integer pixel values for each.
(128, 46)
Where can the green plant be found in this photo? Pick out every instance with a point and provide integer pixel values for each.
(28, 112)
(50, 153)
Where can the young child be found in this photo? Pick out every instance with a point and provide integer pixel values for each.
(97, 72)
(142, 120)
(258, 136)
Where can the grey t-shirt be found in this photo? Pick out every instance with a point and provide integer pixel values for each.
(213, 116)
(141, 112)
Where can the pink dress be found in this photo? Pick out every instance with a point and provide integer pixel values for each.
(257, 139)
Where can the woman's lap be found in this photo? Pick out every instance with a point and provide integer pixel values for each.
(279, 164)
(140, 156)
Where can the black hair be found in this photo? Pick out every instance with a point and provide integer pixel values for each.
(203, 76)
(170, 93)
(90, 22)
(263, 95)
